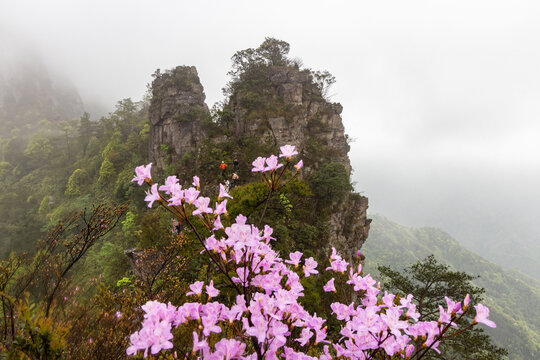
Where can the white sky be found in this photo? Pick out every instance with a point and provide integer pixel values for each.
(442, 97)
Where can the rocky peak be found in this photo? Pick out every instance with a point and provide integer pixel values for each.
(176, 112)
(294, 112)
(285, 105)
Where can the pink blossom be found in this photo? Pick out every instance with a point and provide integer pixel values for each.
(309, 267)
(229, 349)
(294, 258)
(190, 195)
(267, 234)
(170, 182)
(272, 163)
(152, 195)
(304, 337)
(177, 195)
(453, 307)
(196, 182)
(329, 287)
(466, 301)
(287, 151)
(202, 206)
(221, 208)
(211, 290)
(196, 288)
(213, 244)
(258, 165)
(142, 173)
(223, 192)
(482, 314)
(259, 328)
(338, 265)
(199, 345)
(217, 223)
(299, 165)
(444, 317)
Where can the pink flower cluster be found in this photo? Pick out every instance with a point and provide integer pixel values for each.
(267, 318)
(271, 164)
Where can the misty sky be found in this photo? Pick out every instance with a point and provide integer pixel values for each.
(442, 97)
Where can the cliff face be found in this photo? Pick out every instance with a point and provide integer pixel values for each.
(297, 114)
(288, 108)
(176, 112)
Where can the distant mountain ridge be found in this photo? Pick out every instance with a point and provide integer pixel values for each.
(514, 298)
(28, 94)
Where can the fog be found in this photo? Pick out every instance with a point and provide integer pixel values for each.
(441, 97)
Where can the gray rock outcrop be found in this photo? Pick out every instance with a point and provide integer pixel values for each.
(304, 115)
(291, 109)
(176, 112)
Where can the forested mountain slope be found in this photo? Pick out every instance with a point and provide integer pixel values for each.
(514, 298)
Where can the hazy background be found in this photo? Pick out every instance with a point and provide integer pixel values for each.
(442, 97)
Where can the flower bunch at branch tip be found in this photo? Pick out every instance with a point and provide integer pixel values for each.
(268, 166)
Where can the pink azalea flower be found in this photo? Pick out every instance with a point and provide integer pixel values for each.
(466, 301)
(196, 288)
(211, 290)
(409, 351)
(444, 317)
(217, 223)
(190, 195)
(258, 165)
(272, 163)
(299, 165)
(152, 195)
(259, 328)
(177, 195)
(388, 299)
(228, 349)
(329, 287)
(267, 234)
(482, 314)
(170, 182)
(161, 337)
(196, 182)
(453, 307)
(221, 208)
(295, 258)
(142, 173)
(223, 192)
(212, 244)
(309, 267)
(287, 151)
(240, 219)
(198, 345)
(304, 336)
(202, 206)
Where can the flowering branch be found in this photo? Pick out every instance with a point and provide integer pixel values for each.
(266, 316)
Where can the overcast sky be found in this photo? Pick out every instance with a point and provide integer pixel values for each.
(442, 97)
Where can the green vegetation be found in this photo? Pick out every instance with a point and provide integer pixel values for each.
(430, 282)
(514, 299)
